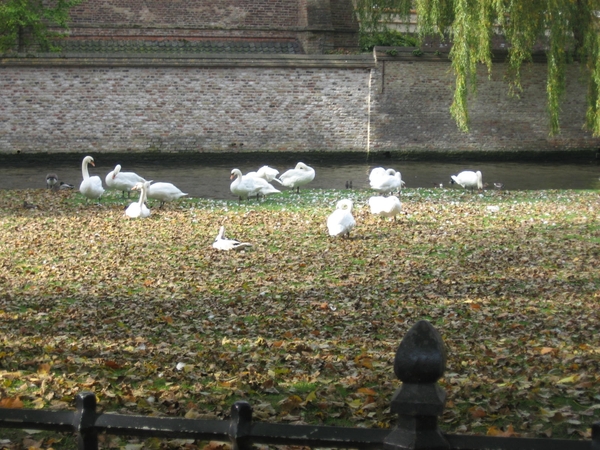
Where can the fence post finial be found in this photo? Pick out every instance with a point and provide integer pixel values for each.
(240, 424)
(84, 421)
(419, 363)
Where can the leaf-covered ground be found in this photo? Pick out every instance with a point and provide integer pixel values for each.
(146, 314)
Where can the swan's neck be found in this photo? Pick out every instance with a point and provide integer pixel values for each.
(84, 170)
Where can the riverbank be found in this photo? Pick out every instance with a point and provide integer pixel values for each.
(150, 317)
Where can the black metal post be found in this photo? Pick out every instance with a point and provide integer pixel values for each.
(84, 421)
(596, 436)
(240, 425)
(419, 363)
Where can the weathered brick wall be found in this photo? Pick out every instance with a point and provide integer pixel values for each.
(138, 109)
(412, 96)
(187, 13)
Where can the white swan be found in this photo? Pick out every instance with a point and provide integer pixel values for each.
(165, 192)
(244, 186)
(122, 181)
(341, 221)
(468, 179)
(139, 209)
(385, 180)
(90, 187)
(385, 206)
(51, 181)
(222, 243)
(265, 172)
(298, 176)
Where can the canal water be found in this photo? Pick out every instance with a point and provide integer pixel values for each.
(212, 180)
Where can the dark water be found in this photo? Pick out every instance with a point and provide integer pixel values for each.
(212, 181)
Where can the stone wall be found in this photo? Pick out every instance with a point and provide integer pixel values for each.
(271, 103)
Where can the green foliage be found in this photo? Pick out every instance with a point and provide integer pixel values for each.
(567, 29)
(24, 23)
(385, 38)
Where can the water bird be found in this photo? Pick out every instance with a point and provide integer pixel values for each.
(341, 221)
(139, 209)
(51, 181)
(265, 172)
(90, 187)
(222, 243)
(300, 175)
(499, 186)
(385, 206)
(122, 181)
(65, 186)
(165, 192)
(468, 179)
(244, 186)
(385, 180)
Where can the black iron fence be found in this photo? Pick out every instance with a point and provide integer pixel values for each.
(419, 363)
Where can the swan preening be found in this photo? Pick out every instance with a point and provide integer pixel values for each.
(165, 192)
(296, 177)
(385, 180)
(385, 206)
(139, 209)
(222, 243)
(90, 187)
(265, 172)
(468, 179)
(244, 186)
(341, 221)
(122, 181)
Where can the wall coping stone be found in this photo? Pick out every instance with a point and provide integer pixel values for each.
(362, 61)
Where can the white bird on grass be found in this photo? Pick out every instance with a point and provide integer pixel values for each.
(301, 175)
(265, 172)
(385, 180)
(165, 192)
(341, 221)
(222, 243)
(90, 187)
(139, 209)
(122, 181)
(468, 180)
(244, 186)
(385, 206)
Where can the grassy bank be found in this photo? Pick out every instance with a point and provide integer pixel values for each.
(303, 326)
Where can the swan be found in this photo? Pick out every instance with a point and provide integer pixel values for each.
(122, 181)
(296, 177)
(244, 186)
(468, 179)
(139, 209)
(385, 206)
(51, 181)
(165, 192)
(341, 221)
(385, 180)
(265, 172)
(222, 243)
(90, 187)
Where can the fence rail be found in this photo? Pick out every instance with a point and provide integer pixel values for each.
(419, 363)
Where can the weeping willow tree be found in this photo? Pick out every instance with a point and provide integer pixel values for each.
(24, 23)
(568, 29)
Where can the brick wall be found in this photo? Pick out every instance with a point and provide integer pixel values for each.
(293, 103)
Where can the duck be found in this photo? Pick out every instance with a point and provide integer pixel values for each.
(265, 172)
(51, 181)
(139, 209)
(385, 180)
(65, 186)
(341, 221)
(122, 181)
(385, 206)
(468, 179)
(301, 175)
(165, 192)
(222, 243)
(90, 187)
(244, 186)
